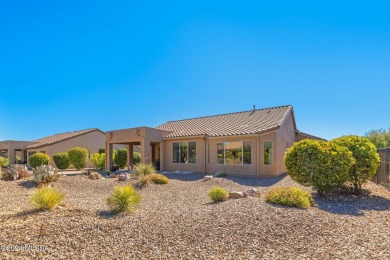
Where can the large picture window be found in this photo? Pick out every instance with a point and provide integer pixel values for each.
(234, 153)
(268, 152)
(184, 152)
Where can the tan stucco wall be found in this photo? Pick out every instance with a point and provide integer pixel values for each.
(286, 137)
(91, 141)
(200, 156)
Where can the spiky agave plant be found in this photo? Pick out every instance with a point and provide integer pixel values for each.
(123, 199)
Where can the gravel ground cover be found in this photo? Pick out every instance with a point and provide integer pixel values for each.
(178, 221)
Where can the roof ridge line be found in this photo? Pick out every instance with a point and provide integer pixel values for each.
(225, 114)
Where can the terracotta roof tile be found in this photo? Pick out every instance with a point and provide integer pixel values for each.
(59, 138)
(240, 123)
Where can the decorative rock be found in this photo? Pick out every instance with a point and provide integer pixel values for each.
(113, 175)
(122, 177)
(94, 176)
(237, 195)
(207, 177)
(252, 192)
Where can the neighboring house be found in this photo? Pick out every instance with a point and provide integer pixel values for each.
(91, 139)
(249, 143)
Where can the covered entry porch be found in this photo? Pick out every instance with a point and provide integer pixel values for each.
(150, 141)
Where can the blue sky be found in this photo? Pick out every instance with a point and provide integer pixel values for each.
(70, 65)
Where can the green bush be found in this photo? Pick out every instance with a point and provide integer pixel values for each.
(380, 138)
(102, 150)
(121, 158)
(158, 178)
(366, 159)
(320, 164)
(144, 169)
(18, 159)
(218, 194)
(61, 160)
(292, 197)
(99, 160)
(123, 199)
(38, 159)
(4, 162)
(136, 158)
(46, 198)
(78, 157)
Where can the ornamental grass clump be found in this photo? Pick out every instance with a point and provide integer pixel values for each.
(158, 178)
(292, 197)
(123, 199)
(218, 194)
(46, 173)
(144, 169)
(46, 198)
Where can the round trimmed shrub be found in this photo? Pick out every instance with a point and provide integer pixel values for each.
(38, 159)
(78, 157)
(99, 160)
(4, 162)
(102, 150)
(61, 160)
(366, 159)
(323, 165)
(121, 157)
(218, 194)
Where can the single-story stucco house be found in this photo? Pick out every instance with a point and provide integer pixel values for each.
(92, 139)
(248, 143)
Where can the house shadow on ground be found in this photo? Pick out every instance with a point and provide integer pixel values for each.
(242, 180)
(347, 204)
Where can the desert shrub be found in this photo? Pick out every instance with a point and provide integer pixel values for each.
(221, 174)
(78, 157)
(158, 178)
(121, 157)
(4, 162)
(102, 150)
(323, 165)
(144, 169)
(123, 199)
(46, 198)
(61, 160)
(380, 138)
(99, 160)
(292, 197)
(218, 194)
(45, 173)
(15, 172)
(143, 181)
(18, 159)
(366, 159)
(38, 159)
(136, 158)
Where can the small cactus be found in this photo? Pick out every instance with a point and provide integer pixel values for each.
(46, 173)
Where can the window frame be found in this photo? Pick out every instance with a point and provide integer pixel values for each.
(188, 152)
(272, 152)
(242, 153)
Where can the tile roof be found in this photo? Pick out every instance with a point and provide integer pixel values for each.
(240, 123)
(60, 137)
